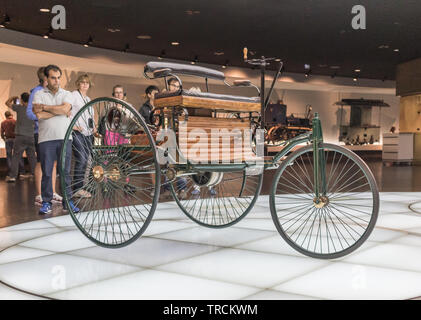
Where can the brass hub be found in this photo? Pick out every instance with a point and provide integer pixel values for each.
(321, 202)
(98, 173)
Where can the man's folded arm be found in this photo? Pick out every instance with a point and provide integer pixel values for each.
(62, 109)
(44, 115)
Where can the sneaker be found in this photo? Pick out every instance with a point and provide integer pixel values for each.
(72, 206)
(38, 200)
(82, 194)
(46, 208)
(9, 179)
(182, 194)
(212, 191)
(57, 198)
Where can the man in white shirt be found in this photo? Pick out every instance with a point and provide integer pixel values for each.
(52, 106)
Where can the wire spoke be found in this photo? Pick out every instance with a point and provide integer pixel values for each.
(333, 224)
(120, 205)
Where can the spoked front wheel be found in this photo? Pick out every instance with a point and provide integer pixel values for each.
(341, 218)
(115, 175)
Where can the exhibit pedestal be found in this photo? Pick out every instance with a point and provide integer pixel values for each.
(398, 147)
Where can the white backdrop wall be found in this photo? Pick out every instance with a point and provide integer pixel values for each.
(16, 78)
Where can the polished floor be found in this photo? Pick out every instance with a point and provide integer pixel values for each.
(47, 257)
(176, 259)
(17, 199)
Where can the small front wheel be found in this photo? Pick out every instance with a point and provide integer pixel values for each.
(334, 223)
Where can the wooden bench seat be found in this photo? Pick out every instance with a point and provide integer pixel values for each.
(208, 101)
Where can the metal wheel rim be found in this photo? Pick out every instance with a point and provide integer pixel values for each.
(153, 204)
(218, 206)
(373, 190)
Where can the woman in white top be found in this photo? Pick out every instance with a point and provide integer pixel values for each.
(82, 135)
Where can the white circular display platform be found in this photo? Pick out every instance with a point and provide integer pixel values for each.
(177, 259)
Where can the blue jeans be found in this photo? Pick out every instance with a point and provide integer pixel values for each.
(50, 152)
(10, 142)
(82, 146)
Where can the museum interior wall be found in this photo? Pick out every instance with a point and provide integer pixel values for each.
(108, 68)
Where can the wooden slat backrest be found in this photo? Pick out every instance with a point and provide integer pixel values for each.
(214, 145)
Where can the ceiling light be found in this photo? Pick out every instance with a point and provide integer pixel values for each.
(321, 65)
(44, 10)
(113, 30)
(396, 50)
(357, 70)
(278, 60)
(162, 55)
(48, 34)
(89, 42)
(5, 22)
(307, 69)
(335, 67)
(196, 60)
(218, 53)
(144, 37)
(355, 79)
(192, 12)
(175, 43)
(383, 46)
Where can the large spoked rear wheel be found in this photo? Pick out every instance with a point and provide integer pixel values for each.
(217, 199)
(115, 173)
(340, 220)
